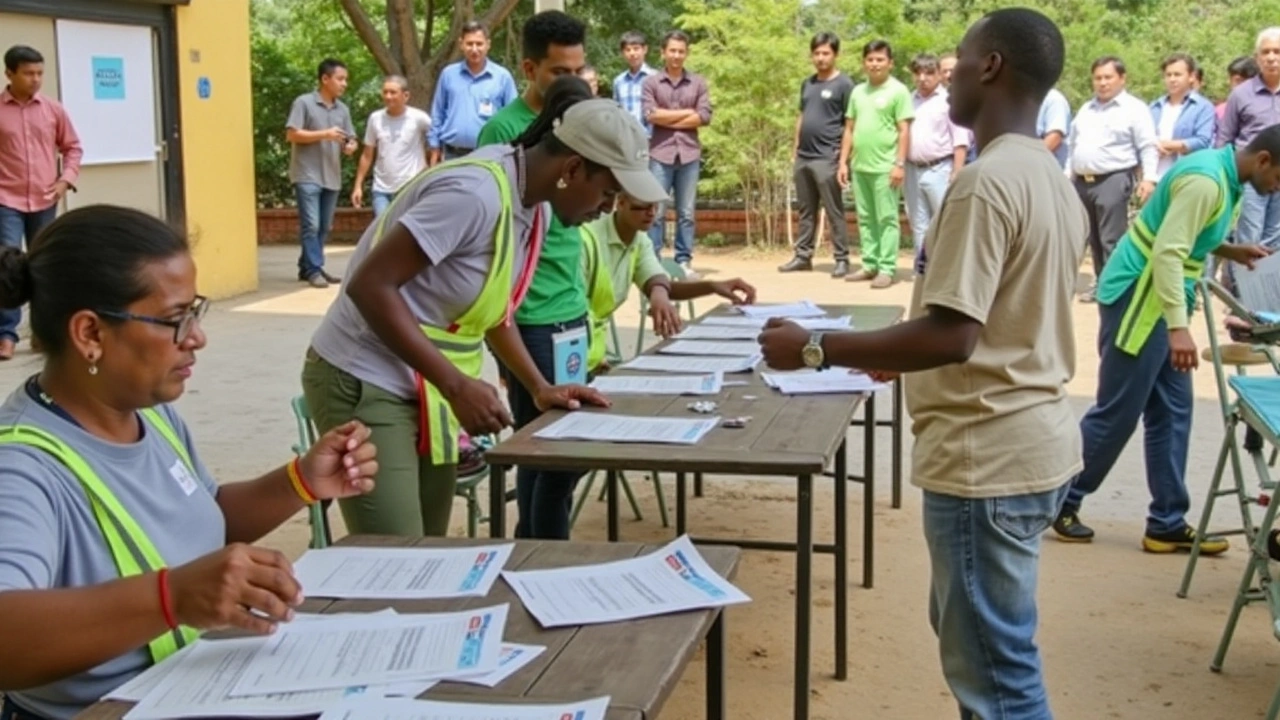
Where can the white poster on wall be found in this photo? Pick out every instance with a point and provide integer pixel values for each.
(108, 87)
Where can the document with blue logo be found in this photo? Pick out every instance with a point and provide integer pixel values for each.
(381, 649)
(673, 579)
(398, 573)
(594, 709)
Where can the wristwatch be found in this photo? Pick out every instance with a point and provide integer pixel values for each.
(812, 353)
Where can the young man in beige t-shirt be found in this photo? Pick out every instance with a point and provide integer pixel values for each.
(991, 346)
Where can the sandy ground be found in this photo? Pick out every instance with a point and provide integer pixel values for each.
(1117, 643)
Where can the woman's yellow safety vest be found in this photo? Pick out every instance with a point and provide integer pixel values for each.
(600, 298)
(131, 549)
(462, 343)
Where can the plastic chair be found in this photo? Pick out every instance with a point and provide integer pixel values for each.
(677, 274)
(466, 488)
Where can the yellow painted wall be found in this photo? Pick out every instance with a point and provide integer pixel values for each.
(217, 144)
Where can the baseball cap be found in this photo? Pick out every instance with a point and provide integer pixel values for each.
(603, 132)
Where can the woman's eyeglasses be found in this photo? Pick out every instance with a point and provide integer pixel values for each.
(182, 326)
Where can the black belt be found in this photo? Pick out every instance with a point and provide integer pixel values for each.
(930, 163)
(455, 150)
(1095, 178)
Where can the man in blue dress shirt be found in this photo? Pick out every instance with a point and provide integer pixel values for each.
(468, 93)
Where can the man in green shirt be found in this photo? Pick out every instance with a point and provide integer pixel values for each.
(1145, 296)
(877, 131)
(553, 46)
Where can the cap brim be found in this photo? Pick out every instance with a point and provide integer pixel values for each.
(641, 185)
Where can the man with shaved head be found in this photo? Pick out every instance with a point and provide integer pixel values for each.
(990, 348)
(395, 145)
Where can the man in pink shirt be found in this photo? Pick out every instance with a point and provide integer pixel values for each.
(34, 131)
(937, 150)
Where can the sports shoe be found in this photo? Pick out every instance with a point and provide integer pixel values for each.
(1182, 540)
(1070, 529)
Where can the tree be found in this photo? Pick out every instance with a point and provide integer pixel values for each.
(414, 46)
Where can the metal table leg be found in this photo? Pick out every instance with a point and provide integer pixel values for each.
(804, 592)
(869, 493)
(611, 484)
(497, 501)
(899, 411)
(697, 484)
(716, 669)
(681, 509)
(842, 561)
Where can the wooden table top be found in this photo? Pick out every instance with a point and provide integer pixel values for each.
(637, 663)
(787, 435)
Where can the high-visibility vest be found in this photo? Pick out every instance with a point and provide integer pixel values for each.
(130, 548)
(462, 343)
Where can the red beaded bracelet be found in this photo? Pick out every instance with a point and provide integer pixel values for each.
(166, 602)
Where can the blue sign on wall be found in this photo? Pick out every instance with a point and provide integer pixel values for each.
(204, 88)
(108, 78)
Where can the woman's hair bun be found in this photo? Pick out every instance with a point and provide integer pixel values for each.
(15, 278)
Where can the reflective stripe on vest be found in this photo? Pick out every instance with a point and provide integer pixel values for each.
(600, 295)
(462, 343)
(1144, 310)
(131, 550)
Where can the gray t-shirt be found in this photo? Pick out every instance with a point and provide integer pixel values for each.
(452, 214)
(50, 539)
(319, 163)
(822, 109)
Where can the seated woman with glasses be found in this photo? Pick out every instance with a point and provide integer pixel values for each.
(116, 545)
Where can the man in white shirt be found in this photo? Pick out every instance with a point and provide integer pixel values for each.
(1112, 139)
(395, 145)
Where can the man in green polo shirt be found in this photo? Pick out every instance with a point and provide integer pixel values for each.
(553, 45)
(877, 132)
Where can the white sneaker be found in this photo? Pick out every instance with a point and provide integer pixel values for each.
(689, 272)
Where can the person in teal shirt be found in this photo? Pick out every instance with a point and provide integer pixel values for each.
(877, 132)
(553, 46)
(1145, 296)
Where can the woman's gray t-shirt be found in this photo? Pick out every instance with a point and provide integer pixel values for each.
(49, 537)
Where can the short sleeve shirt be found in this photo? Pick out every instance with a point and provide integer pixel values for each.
(876, 112)
(627, 265)
(452, 215)
(318, 163)
(1005, 250)
(401, 146)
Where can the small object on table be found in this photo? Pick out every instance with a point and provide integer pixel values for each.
(736, 422)
(703, 407)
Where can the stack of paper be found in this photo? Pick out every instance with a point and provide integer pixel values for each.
(844, 322)
(433, 710)
(668, 385)
(401, 573)
(802, 309)
(673, 579)
(826, 382)
(692, 364)
(722, 332)
(604, 427)
(737, 348)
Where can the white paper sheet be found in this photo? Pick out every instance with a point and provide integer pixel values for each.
(673, 579)
(401, 573)
(802, 309)
(605, 427)
(432, 710)
(1260, 287)
(513, 658)
(359, 651)
(692, 364)
(738, 348)
(199, 684)
(722, 332)
(844, 322)
(827, 382)
(659, 384)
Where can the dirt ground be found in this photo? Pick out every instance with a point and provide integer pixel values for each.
(1116, 641)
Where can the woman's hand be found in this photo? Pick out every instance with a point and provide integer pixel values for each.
(569, 397)
(342, 463)
(219, 590)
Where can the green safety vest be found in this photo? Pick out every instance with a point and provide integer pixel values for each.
(131, 549)
(600, 301)
(462, 343)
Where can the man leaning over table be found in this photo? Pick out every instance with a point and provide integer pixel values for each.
(617, 253)
(990, 345)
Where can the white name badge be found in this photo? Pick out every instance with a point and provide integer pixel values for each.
(569, 349)
(486, 109)
(183, 476)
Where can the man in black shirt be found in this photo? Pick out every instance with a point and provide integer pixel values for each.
(820, 180)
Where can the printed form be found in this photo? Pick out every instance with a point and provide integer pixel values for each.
(691, 364)
(604, 427)
(660, 385)
(433, 710)
(673, 579)
(739, 348)
(401, 573)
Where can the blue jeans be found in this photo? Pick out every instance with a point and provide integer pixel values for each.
(681, 181)
(1259, 218)
(985, 557)
(1129, 388)
(14, 226)
(380, 202)
(10, 711)
(315, 219)
(924, 189)
(544, 498)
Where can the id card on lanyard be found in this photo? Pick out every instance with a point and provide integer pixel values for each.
(569, 352)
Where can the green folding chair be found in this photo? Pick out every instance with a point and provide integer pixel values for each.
(467, 487)
(677, 273)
